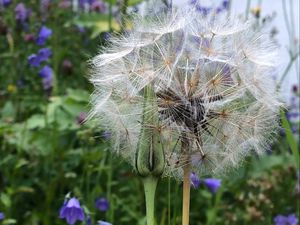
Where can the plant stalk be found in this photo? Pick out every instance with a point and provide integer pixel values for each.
(186, 181)
(150, 184)
(186, 195)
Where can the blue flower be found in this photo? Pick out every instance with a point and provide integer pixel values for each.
(21, 12)
(100, 222)
(5, 3)
(47, 74)
(44, 34)
(292, 219)
(102, 204)
(2, 216)
(212, 184)
(286, 220)
(195, 181)
(44, 54)
(71, 211)
(280, 220)
(34, 60)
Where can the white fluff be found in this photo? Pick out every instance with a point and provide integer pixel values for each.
(212, 78)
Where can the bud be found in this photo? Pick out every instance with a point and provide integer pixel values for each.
(149, 154)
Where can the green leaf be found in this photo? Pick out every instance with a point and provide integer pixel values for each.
(5, 199)
(56, 103)
(73, 108)
(20, 163)
(290, 138)
(9, 221)
(267, 163)
(78, 95)
(97, 22)
(8, 110)
(36, 121)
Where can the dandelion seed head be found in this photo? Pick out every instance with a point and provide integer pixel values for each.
(212, 81)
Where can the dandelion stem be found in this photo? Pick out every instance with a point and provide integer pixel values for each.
(186, 195)
(150, 184)
(186, 184)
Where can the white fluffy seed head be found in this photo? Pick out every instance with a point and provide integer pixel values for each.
(212, 80)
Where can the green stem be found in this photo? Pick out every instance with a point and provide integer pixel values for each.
(169, 201)
(150, 184)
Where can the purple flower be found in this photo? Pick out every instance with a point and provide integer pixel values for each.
(71, 211)
(292, 219)
(212, 184)
(195, 181)
(47, 74)
(44, 54)
(102, 204)
(100, 222)
(286, 220)
(21, 12)
(5, 3)
(280, 220)
(2, 216)
(44, 34)
(34, 60)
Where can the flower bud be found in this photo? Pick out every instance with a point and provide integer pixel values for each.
(149, 154)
